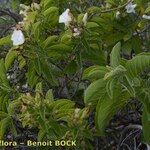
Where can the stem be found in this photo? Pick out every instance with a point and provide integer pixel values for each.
(117, 8)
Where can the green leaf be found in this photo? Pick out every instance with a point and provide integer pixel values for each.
(64, 114)
(136, 45)
(80, 18)
(106, 108)
(49, 3)
(32, 16)
(38, 66)
(91, 25)
(5, 103)
(51, 16)
(128, 35)
(146, 125)
(127, 83)
(94, 9)
(63, 104)
(10, 57)
(5, 40)
(94, 72)
(50, 41)
(147, 9)
(59, 49)
(143, 95)
(95, 91)
(48, 73)
(127, 48)
(38, 88)
(138, 64)
(1, 100)
(3, 115)
(4, 124)
(115, 72)
(49, 95)
(71, 67)
(3, 77)
(66, 38)
(115, 55)
(13, 128)
(110, 86)
(41, 135)
(31, 75)
(37, 30)
(22, 61)
(12, 106)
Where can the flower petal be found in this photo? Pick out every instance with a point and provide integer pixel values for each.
(65, 17)
(17, 37)
(85, 17)
(146, 17)
(130, 8)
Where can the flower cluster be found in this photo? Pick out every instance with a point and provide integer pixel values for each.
(66, 17)
(130, 8)
(35, 6)
(26, 9)
(17, 36)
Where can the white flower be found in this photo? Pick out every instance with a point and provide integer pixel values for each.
(146, 17)
(21, 12)
(8, 77)
(24, 13)
(77, 32)
(65, 17)
(25, 18)
(18, 87)
(35, 6)
(17, 37)
(21, 23)
(76, 111)
(25, 86)
(117, 14)
(25, 7)
(85, 17)
(130, 8)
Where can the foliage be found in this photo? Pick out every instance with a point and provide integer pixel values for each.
(55, 119)
(67, 73)
(121, 82)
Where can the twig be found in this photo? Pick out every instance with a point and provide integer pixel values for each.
(117, 8)
(139, 127)
(127, 146)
